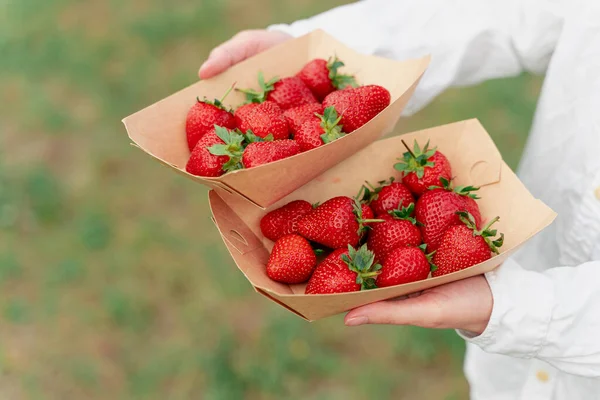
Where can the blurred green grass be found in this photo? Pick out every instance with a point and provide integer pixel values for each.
(114, 282)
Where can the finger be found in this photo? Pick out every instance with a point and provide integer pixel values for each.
(411, 311)
(226, 55)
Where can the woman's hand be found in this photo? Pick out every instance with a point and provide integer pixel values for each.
(465, 304)
(243, 45)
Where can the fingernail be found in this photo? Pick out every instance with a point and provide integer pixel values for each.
(356, 321)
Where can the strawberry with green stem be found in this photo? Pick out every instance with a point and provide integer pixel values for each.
(319, 130)
(463, 246)
(344, 270)
(398, 229)
(388, 196)
(423, 168)
(286, 93)
(436, 210)
(204, 115)
(357, 106)
(323, 77)
(337, 223)
(218, 151)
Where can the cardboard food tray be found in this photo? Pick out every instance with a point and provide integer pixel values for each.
(159, 130)
(475, 161)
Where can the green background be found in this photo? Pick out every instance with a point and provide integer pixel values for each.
(113, 282)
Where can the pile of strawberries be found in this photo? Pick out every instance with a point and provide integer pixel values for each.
(285, 117)
(396, 233)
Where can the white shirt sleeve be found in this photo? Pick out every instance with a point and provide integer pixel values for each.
(469, 40)
(553, 316)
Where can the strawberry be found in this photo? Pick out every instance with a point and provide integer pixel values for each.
(292, 260)
(463, 246)
(319, 130)
(398, 230)
(404, 265)
(287, 92)
(203, 116)
(423, 168)
(357, 106)
(344, 270)
(284, 220)
(296, 116)
(436, 211)
(259, 153)
(217, 152)
(322, 77)
(388, 196)
(262, 119)
(337, 223)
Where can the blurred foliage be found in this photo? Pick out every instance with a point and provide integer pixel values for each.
(114, 282)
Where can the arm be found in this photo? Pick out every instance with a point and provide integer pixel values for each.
(553, 316)
(470, 41)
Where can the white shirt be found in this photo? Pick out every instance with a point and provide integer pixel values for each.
(543, 339)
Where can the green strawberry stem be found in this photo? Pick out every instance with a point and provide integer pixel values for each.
(404, 213)
(408, 148)
(233, 147)
(461, 190)
(416, 160)
(357, 209)
(339, 81)
(330, 124)
(486, 233)
(227, 92)
(370, 274)
(254, 96)
(217, 102)
(362, 262)
(368, 192)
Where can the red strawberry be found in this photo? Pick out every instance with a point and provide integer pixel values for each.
(404, 265)
(262, 119)
(336, 223)
(397, 230)
(319, 130)
(284, 220)
(287, 92)
(292, 260)
(259, 153)
(322, 77)
(217, 152)
(203, 116)
(296, 116)
(423, 169)
(367, 212)
(388, 196)
(436, 210)
(344, 270)
(463, 246)
(357, 106)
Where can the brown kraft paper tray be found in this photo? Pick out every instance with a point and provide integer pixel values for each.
(475, 161)
(159, 130)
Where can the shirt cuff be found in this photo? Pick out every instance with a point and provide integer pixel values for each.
(521, 314)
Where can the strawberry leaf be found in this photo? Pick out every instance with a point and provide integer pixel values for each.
(404, 213)
(219, 150)
(254, 96)
(416, 160)
(330, 124)
(339, 81)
